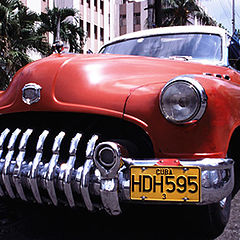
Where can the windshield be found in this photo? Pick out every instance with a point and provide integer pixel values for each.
(193, 46)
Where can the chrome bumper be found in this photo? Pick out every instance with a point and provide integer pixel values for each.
(217, 177)
(98, 183)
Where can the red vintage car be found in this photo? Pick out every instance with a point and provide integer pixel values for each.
(153, 118)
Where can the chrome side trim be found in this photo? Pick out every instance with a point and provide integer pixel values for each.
(49, 176)
(35, 166)
(8, 159)
(19, 161)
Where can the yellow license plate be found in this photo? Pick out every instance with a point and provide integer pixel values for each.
(161, 183)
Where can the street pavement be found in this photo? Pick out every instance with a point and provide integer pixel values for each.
(232, 231)
(165, 223)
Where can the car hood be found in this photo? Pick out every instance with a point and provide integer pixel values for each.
(90, 83)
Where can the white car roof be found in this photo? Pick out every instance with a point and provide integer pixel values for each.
(172, 30)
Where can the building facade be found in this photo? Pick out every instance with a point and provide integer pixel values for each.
(95, 18)
(131, 16)
(101, 20)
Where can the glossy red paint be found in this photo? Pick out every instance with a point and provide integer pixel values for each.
(128, 87)
(208, 137)
(168, 162)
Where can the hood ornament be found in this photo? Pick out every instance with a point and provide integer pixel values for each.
(31, 93)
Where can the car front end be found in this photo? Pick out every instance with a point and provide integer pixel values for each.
(99, 131)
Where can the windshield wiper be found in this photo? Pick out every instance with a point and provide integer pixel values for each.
(184, 58)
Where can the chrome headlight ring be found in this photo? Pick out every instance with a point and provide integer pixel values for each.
(183, 100)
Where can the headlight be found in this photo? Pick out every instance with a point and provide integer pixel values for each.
(183, 100)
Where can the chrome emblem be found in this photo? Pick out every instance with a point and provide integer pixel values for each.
(31, 93)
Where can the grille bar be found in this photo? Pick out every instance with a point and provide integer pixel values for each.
(35, 166)
(49, 174)
(6, 168)
(66, 170)
(84, 185)
(19, 162)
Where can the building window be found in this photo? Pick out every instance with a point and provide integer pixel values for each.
(101, 6)
(137, 7)
(137, 18)
(95, 5)
(88, 3)
(122, 20)
(81, 23)
(102, 34)
(95, 32)
(88, 30)
(123, 30)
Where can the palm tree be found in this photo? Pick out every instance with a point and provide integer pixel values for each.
(179, 12)
(70, 31)
(18, 35)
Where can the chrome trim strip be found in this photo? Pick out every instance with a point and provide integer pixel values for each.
(8, 159)
(68, 168)
(19, 161)
(49, 180)
(35, 166)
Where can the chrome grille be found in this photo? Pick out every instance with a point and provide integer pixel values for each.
(20, 175)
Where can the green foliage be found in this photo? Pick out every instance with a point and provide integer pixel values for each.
(22, 30)
(18, 35)
(69, 31)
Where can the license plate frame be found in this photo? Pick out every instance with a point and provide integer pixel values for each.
(165, 183)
